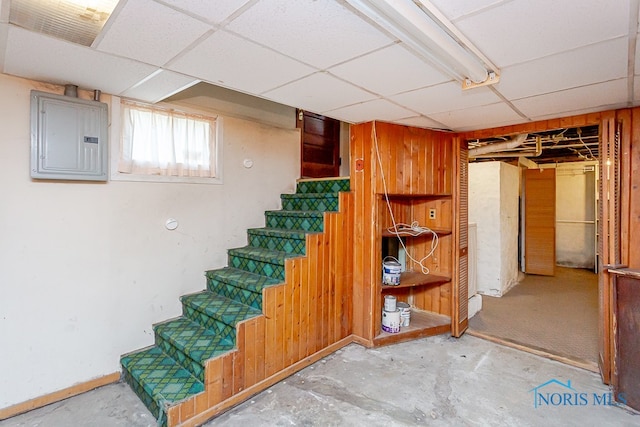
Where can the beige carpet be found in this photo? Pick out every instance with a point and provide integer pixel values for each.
(558, 315)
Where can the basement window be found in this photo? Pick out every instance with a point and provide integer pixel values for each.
(163, 144)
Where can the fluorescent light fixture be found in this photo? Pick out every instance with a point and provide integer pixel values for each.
(77, 21)
(426, 31)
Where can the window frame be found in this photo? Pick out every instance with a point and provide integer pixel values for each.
(115, 136)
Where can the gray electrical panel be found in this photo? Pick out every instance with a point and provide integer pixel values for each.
(68, 138)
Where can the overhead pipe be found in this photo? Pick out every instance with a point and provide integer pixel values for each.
(536, 153)
(498, 146)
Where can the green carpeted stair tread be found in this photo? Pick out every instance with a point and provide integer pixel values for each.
(278, 239)
(261, 254)
(197, 342)
(279, 232)
(310, 221)
(259, 260)
(220, 308)
(242, 279)
(239, 285)
(159, 378)
(323, 186)
(190, 344)
(310, 201)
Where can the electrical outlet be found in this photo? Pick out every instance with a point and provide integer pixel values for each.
(432, 214)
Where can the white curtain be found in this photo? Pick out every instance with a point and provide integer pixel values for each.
(165, 142)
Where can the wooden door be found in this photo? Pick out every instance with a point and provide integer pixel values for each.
(626, 385)
(540, 221)
(460, 312)
(320, 145)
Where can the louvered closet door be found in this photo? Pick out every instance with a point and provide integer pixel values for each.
(461, 292)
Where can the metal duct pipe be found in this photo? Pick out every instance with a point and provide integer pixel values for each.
(499, 146)
(516, 154)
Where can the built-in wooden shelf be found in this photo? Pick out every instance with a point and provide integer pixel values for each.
(410, 279)
(438, 231)
(422, 324)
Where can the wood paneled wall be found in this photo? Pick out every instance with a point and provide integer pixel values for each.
(404, 162)
(304, 319)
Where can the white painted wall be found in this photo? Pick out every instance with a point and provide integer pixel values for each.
(509, 217)
(87, 268)
(493, 206)
(576, 214)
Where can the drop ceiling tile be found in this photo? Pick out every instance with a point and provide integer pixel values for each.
(481, 117)
(444, 97)
(227, 60)
(601, 96)
(68, 63)
(149, 32)
(636, 90)
(320, 33)
(378, 109)
(455, 9)
(4, 32)
(389, 71)
(421, 122)
(578, 67)
(159, 85)
(551, 26)
(319, 92)
(204, 9)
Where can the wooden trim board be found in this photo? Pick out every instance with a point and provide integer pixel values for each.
(578, 363)
(59, 395)
(264, 384)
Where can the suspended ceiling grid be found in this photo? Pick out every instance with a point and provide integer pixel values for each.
(557, 58)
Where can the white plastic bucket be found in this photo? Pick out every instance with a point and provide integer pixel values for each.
(391, 321)
(405, 313)
(391, 269)
(389, 303)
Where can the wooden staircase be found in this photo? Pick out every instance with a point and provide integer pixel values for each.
(282, 303)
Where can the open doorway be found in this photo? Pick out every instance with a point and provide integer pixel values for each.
(552, 313)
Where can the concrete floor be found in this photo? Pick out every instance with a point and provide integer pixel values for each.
(439, 381)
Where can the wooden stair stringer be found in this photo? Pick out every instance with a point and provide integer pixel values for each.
(304, 319)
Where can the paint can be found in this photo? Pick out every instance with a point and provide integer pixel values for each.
(391, 321)
(391, 269)
(389, 303)
(405, 313)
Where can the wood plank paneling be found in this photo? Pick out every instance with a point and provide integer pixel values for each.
(310, 312)
(405, 162)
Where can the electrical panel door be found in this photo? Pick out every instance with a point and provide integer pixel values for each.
(68, 138)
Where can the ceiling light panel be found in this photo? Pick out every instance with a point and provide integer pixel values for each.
(76, 21)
